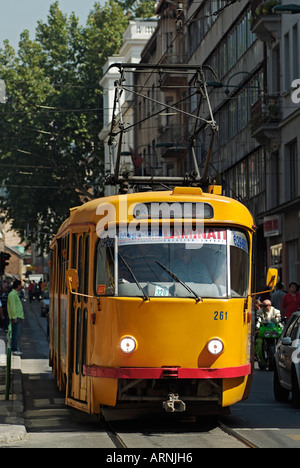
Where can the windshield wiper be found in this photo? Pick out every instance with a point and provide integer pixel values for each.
(145, 298)
(198, 299)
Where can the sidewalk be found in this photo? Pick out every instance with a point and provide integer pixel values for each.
(12, 427)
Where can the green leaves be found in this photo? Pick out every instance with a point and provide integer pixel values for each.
(50, 155)
(138, 8)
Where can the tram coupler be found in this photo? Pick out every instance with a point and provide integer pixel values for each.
(173, 404)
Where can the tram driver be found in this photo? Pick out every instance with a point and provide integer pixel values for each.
(188, 267)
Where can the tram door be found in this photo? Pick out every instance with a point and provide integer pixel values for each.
(79, 319)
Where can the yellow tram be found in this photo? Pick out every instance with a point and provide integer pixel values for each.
(150, 302)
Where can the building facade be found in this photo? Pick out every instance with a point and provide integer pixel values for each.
(278, 131)
(161, 133)
(255, 55)
(135, 37)
(255, 98)
(220, 36)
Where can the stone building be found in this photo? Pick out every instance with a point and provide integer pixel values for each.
(135, 37)
(254, 91)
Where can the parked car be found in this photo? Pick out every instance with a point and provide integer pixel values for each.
(45, 304)
(287, 362)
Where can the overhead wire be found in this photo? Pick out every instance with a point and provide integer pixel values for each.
(202, 90)
(48, 110)
(179, 31)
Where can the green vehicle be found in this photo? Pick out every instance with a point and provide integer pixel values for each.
(268, 335)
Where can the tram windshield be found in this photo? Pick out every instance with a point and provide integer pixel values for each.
(217, 265)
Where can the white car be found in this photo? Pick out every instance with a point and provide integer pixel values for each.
(287, 362)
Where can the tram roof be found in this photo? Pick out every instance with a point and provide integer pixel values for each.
(226, 211)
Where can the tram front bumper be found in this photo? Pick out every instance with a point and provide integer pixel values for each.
(167, 372)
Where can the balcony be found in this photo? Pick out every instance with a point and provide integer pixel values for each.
(265, 117)
(264, 23)
(171, 140)
(173, 59)
(173, 78)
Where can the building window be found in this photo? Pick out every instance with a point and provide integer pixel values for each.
(140, 113)
(293, 260)
(274, 176)
(295, 61)
(287, 73)
(276, 255)
(247, 178)
(256, 172)
(230, 49)
(241, 180)
(232, 116)
(235, 115)
(292, 171)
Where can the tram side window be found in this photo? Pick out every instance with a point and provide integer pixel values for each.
(84, 340)
(64, 262)
(104, 281)
(239, 264)
(78, 340)
(54, 264)
(86, 267)
(80, 260)
(80, 264)
(74, 251)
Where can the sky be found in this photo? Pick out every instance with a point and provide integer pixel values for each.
(17, 15)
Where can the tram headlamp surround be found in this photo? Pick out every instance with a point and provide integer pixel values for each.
(128, 344)
(215, 346)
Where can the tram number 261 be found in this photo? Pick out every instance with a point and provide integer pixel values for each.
(220, 315)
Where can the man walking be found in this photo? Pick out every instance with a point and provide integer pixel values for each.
(16, 315)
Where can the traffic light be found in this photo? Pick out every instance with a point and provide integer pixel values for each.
(3, 261)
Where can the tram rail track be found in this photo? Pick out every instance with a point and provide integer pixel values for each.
(119, 442)
(236, 435)
(117, 439)
(112, 434)
(37, 320)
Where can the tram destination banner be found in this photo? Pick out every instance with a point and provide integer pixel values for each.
(147, 219)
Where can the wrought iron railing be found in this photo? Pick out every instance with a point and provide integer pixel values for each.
(265, 111)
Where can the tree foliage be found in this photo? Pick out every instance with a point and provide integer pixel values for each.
(138, 8)
(50, 155)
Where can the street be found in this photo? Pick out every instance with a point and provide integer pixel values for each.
(49, 423)
(149, 182)
(264, 421)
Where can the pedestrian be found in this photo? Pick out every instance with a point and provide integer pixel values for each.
(291, 301)
(257, 305)
(4, 298)
(1, 316)
(277, 297)
(16, 315)
(35, 291)
(30, 291)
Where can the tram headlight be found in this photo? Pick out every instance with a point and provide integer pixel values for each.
(215, 346)
(128, 344)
